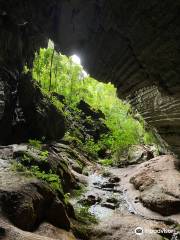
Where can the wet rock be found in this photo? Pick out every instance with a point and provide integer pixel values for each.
(6, 152)
(76, 168)
(97, 184)
(108, 185)
(114, 180)
(19, 150)
(136, 200)
(90, 199)
(112, 200)
(109, 205)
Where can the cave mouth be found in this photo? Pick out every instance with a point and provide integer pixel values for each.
(62, 81)
(70, 88)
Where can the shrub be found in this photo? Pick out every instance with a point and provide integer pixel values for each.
(35, 143)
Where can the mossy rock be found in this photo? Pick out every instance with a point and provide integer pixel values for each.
(42, 118)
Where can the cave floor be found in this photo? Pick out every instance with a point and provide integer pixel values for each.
(120, 218)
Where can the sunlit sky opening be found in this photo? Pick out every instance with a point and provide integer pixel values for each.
(76, 59)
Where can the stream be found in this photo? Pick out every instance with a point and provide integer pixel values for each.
(108, 197)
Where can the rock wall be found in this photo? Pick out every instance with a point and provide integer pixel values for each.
(133, 44)
(160, 111)
(25, 27)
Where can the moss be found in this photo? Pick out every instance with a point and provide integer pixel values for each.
(48, 96)
(72, 138)
(51, 178)
(35, 143)
(106, 162)
(78, 192)
(83, 215)
(177, 227)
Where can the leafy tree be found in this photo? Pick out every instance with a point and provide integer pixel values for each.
(58, 73)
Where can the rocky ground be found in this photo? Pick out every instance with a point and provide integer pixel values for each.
(38, 182)
(28, 201)
(145, 195)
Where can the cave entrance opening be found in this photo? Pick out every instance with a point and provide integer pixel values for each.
(65, 79)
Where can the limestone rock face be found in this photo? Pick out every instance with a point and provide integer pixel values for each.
(135, 46)
(27, 207)
(26, 201)
(159, 191)
(88, 123)
(39, 112)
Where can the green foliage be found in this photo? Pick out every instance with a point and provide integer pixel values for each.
(44, 155)
(61, 75)
(28, 165)
(67, 198)
(49, 177)
(34, 171)
(83, 215)
(35, 143)
(78, 192)
(19, 167)
(91, 147)
(106, 162)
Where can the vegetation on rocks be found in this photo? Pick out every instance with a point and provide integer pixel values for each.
(32, 164)
(59, 76)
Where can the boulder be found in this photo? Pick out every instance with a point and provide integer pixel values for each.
(87, 123)
(88, 111)
(136, 154)
(109, 205)
(43, 119)
(53, 162)
(158, 183)
(26, 201)
(157, 199)
(45, 231)
(90, 199)
(30, 204)
(56, 215)
(114, 179)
